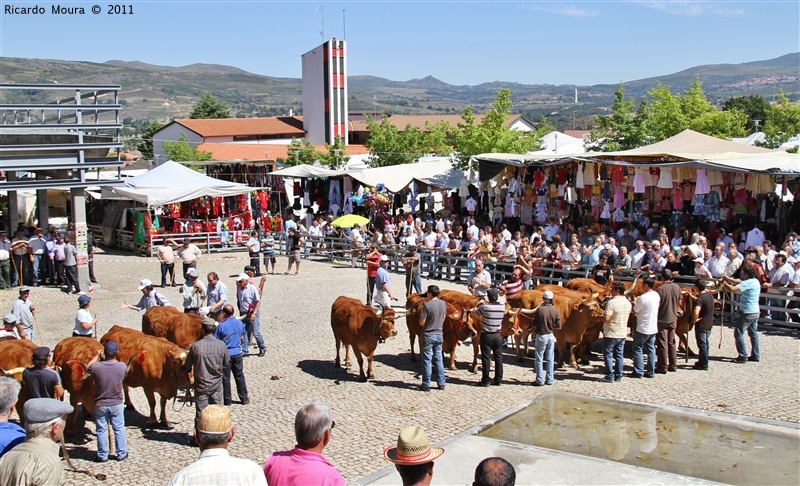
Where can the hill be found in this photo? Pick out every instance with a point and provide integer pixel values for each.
(152, 92)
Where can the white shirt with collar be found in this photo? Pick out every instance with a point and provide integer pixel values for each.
(216, 466)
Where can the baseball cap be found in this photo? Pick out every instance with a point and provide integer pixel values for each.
(144, 283)
(192, 272)
(187, 240)
(699, 260)
(548, 294)
(24, 288)
(41, 352)
(10, 318)
(242, 276)
(111, 348)
(384, 258)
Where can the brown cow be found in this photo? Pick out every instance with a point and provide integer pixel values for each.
(157, 366)
(578, 311)
(15, 356)
(360, 327)
(472, 329)
(72, 355)
(173, 325)
(453, 323)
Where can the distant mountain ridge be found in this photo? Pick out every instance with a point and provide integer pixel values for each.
(153, 92)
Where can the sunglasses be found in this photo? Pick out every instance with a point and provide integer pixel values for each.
(333, 424)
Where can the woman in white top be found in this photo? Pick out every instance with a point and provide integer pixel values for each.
(84, 322)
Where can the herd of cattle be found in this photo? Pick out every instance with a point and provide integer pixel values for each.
(155, 356)
(580, 304)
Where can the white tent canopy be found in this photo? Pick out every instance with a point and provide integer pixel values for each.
(172, 182)
(557, 143)
(436, 171)
(305, 170)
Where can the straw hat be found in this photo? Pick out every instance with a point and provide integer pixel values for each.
(413, 447)
(215, 419)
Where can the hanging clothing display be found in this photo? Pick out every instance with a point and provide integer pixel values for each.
(638, 181)
(665, 179)
(589, 177)
(579, 178)
(702, 183)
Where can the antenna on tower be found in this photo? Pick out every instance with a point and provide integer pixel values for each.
(321, 8)
(576, 96)
(344, 25)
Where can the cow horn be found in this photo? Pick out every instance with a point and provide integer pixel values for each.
(183, 355)
(513, 312)
(630, 289)
(718, 288)
(12, 371)
(401, 313)
(378, 310)
(591, 300)
(530, 312)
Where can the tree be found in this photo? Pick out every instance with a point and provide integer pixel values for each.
(491, 134)
(663, 114)
(182, 151)
(755, 107)
(300, 152)
(721, 124)
(621, 130)
(210, 107)
(694, 103)
(389, 146)
(783, 122)
(334, 158)
(145, 143)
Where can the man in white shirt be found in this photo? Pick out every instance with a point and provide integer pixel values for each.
(213, 433)
(768, 257)
(504, 233)
(551, 229)
(472, 232)
(718, 262)
(253, 247)
(779, 277)
(735, 260)
(189, 253)
(637, 255)
(646, 310)
(725, 240)
(37, 247)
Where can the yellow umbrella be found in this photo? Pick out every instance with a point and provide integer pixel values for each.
(350, 220)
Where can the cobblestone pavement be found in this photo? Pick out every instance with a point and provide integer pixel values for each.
(299, 368)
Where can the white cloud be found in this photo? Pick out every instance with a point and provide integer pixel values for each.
(561, 9)
(694, 8)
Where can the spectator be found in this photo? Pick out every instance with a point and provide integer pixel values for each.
(703, 313)
(546, 320)
(71, 266)
(217, 293)
(194, 291)
(231, 331)
(213, 432)
(109, 407)
(268, 251)
(11, 434)
(11, 328)
(305, 464)
(411, 263)
(41, 381)
(253, 248)
(646, 309)
(23, 310)
(150, 298)
(189, 253)
(91, 249)
(413, 456)
(36, 460)
(479, 281)
(372, 260)
(84, 322)
(615, 330)
(746, 318)
(495, 471)
(249, 298)
(166, 257)
(37, 247)
(5, 261)
(601, 273)
(294, 243)
(207, 358)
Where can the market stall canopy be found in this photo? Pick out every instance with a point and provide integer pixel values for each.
(305, 171)
(172, 182)
(437, 172)
(687, 148)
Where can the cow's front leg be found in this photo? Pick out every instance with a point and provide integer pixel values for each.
(361, 375)
(164, 420)
(151, 400)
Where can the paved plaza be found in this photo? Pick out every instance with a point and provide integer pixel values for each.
(298, 368)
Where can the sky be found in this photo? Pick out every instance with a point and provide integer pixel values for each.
(458, 42)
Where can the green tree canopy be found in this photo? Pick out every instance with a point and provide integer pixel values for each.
(621, 130)
(390, 146)
(145, 143)
(783, 122)
(755, 107)
(334, 158)
(210, 107)
(300, 152)
(491, 134)
(182, 151)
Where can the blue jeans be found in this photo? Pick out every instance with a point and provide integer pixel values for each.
(642, 342)
(253, 328)
(702, 338)
(545, 347)
(37, 264)
(432, 358)
(612, 353)
(750, 323)
(116, 415)
(413, 281)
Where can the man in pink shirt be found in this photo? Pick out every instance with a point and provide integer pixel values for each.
(305, 464)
